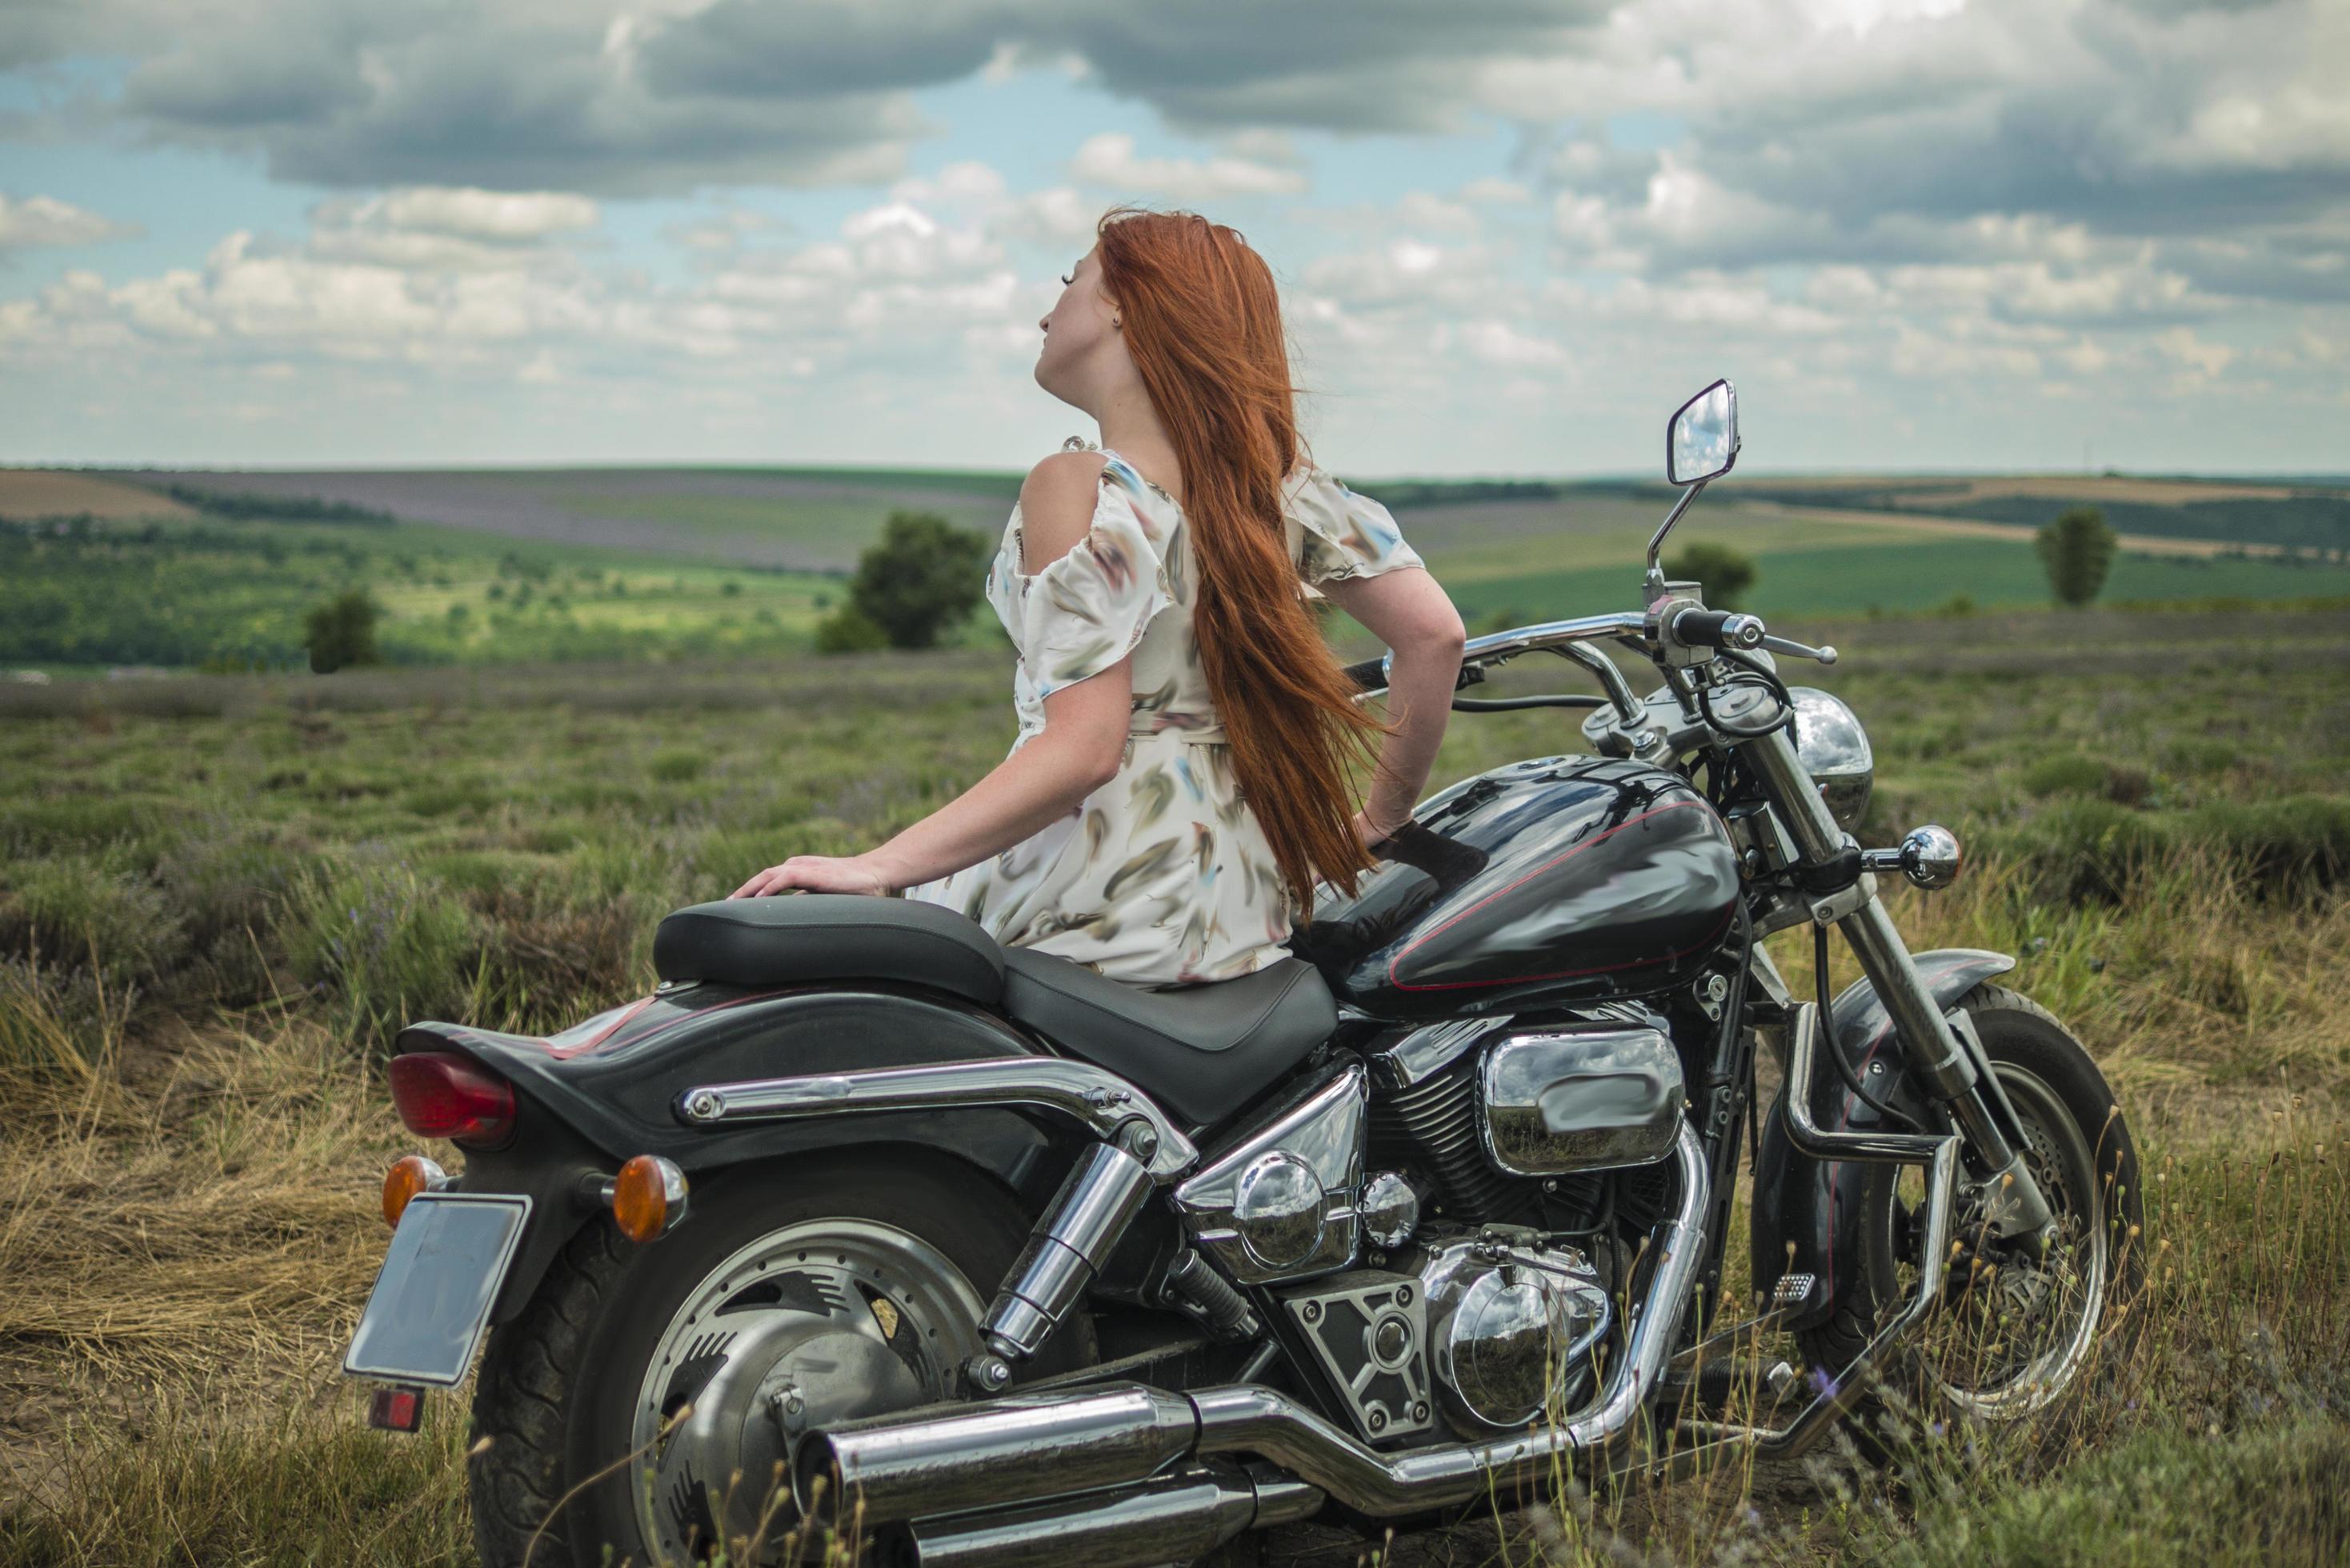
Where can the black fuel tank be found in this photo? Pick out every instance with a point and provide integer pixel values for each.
(1560, 880)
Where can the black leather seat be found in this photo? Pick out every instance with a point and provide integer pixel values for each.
(829, 936)
(1201, 1051)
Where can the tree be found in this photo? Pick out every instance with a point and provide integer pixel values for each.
(922, 577)
(2077, 549)
(341, 632)
(1721, 571)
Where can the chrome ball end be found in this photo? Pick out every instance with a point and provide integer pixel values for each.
(1930, 856)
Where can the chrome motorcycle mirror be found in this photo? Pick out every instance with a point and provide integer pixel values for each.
(1700, 444)
(1701, 441)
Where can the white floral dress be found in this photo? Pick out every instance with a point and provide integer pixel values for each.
(1162, 875)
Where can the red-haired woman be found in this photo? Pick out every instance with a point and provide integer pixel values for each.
(1179, 781)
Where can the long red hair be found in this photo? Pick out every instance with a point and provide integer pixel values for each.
(1202, 321)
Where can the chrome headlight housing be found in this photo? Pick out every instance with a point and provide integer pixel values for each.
(1834, 751)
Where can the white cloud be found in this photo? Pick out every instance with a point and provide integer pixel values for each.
(1108, 160)
(505, 215)
(45, 221)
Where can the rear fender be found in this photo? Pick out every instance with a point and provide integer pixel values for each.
(605, 1091)
(1816, 1205)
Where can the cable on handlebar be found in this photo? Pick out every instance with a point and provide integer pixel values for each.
(1778, 689)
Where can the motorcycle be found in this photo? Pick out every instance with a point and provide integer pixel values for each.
(861, 1221)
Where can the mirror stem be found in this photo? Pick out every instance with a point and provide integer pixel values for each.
(1655, 582)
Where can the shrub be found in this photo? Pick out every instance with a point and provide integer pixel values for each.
(1721, 571)
(850, 630)
(2077, 549)
(2067, 773)
(678, 766)
(79, 913)
(389, 946)
(922, 577)
(341, 632)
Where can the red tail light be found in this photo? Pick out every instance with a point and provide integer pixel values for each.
(444, 1095)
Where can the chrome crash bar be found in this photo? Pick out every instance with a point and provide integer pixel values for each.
(1939, 1155)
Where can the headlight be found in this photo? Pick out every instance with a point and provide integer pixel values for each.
(1834, 749)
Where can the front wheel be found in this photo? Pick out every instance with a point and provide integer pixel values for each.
(643, 1407)
(2014, 1334)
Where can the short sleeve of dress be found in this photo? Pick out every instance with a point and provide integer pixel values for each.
(1345, 535)
(1087, 610)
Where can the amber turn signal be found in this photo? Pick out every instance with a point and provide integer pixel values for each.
(409, 1175)
(648, 1197)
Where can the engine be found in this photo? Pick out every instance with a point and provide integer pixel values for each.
(1519, 1145)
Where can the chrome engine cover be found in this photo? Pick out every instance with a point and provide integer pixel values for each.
(1513, 1323)
(1558, 1101)
(1278, 1202)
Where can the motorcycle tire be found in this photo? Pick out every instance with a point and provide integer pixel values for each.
(2075, 1134)
(559, 1390)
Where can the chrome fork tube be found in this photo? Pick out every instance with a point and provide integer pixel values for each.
(1948, 1064)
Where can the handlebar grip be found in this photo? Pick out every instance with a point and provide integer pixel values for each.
(1717, 629)
(1370, 675)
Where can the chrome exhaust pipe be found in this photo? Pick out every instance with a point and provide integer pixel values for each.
(1174, 1519)
(1037, 1448)
(1014, 1450)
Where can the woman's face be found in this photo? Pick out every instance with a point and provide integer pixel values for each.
(1084, 356)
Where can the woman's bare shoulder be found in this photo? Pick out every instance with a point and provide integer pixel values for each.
(1056, 505)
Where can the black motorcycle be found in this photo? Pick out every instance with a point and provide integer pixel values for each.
(990, 1260)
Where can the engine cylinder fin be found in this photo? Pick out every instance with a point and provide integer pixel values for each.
(1433, 1125)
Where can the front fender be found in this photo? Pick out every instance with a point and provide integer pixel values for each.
(605, 1091)
(1816, 1205)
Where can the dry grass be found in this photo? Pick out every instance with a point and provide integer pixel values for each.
(188, 1173)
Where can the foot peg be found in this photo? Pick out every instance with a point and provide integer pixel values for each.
(1193, 1286)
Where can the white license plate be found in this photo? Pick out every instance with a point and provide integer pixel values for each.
(431, 1299)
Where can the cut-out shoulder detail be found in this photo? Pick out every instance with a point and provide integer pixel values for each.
(1059, 499)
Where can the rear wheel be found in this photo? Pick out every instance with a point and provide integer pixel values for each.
(2014, 1334)
(644, 1406)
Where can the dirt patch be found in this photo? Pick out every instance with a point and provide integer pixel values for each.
(62, 492)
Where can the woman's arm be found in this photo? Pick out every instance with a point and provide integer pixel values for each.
(1078, 751)
(1407, 609)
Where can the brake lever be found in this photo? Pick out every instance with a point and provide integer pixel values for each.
(1824, 653)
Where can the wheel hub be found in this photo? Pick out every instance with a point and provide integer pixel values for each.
(810, 1326)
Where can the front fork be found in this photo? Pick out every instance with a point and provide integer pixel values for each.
(1946, 1056)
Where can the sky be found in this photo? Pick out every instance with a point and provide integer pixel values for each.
(1509, 235)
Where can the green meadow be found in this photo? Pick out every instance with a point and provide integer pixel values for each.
(222, 891)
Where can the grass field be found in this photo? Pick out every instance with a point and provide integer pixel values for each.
(491, 566)
(218, 894)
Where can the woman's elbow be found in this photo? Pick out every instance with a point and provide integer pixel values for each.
(1439, 637)
(1102, 768)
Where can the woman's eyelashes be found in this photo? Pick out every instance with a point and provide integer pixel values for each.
(1071, 279)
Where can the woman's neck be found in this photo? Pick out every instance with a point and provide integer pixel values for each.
(1130, 426)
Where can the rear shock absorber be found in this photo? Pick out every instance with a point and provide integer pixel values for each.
(1097, 1200)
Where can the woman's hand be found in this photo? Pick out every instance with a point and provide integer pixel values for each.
(819, 874)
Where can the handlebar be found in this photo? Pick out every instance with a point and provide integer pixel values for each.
(1369, 675)
(1715, 628)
